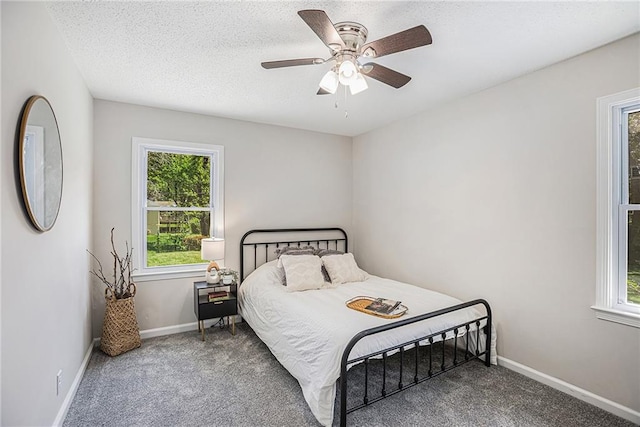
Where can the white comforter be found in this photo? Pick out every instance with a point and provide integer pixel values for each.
(308, 331)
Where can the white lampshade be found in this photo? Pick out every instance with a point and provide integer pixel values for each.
(212, 248)
(330, 81)
(358, 85)
(347, 72)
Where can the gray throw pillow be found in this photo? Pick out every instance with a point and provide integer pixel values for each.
(295, 250)
(325, 252)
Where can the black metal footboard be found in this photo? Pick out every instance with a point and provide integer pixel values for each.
(418, 375)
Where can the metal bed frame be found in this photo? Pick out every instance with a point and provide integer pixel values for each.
(340, 242)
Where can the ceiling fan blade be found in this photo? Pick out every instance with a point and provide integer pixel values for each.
(404, 40)
(323, 27)
(323, 92)
(385, 75)
(292, 62)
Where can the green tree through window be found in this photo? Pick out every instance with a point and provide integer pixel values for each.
(178, 207)
(633, 217)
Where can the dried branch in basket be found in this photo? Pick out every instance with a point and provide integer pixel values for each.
(122, 270)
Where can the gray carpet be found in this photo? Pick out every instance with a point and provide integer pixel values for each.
(178, 380)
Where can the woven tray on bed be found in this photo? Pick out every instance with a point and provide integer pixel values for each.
(359, 303)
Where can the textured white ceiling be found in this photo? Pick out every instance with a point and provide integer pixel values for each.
(204, 57)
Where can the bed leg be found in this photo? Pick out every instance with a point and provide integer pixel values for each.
(343, 398)
(488, 327)
(487, 345)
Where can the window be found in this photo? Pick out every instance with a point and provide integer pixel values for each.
(176, 201)
(618, 234)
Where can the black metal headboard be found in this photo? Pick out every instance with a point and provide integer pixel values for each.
(254, 240)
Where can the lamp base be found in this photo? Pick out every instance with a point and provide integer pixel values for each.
(213, 277)
(212, 273)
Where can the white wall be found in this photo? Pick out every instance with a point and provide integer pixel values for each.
(46, 315)
(494, 196)
(1, 128)
(274, 177)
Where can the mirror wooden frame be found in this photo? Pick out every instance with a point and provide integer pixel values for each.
(48, 168)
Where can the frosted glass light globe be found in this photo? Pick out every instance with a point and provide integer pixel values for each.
(358, 85)
(330, 82)
(347, 73)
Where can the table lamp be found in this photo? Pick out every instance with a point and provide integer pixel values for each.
(212, 249)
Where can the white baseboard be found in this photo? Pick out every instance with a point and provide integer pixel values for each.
(66, 404)
(168, 330)
(570, 389)
(176, 329)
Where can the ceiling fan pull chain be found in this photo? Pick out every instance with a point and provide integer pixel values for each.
(346, 112)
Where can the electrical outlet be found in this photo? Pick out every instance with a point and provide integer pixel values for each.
(58, 382)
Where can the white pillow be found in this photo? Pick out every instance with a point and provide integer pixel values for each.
(294, 250)
(303, 272)
(343, 269)
(267, 273)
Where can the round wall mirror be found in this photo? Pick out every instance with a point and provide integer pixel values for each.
(40, 154)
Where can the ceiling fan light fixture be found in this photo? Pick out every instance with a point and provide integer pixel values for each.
(347, 42)
(330, 82)
(347, 73)
(358, 85)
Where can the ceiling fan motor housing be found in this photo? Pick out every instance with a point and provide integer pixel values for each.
(354, 36)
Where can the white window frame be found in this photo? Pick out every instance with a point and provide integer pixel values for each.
(140, 148)
(612, 187)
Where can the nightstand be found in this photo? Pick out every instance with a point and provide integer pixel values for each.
(220, 307)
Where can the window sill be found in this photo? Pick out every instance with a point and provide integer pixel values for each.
(168, 275)
(624, 317)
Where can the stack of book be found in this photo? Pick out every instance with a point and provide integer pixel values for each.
(217, 296)
(383, 306)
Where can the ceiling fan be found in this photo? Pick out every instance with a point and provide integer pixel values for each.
(347, 44)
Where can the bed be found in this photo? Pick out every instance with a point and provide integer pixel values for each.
(317, 338)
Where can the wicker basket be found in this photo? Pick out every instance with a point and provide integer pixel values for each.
(120, 331)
